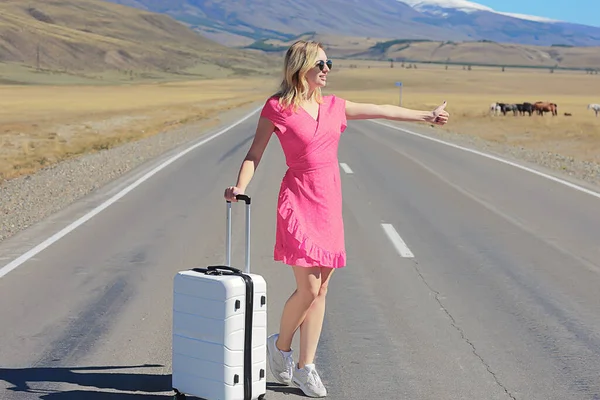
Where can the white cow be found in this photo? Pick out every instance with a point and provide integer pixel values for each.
(495, 109)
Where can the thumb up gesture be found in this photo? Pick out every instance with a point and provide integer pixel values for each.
(439, 116)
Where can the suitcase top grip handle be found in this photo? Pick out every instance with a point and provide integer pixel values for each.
(224, 268)
(243, 197)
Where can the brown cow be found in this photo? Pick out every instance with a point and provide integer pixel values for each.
(542, 106)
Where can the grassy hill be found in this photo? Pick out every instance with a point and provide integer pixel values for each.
(488, 53)
(91, 36)
(476, 53)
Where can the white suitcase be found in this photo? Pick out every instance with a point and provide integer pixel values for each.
(220, 329)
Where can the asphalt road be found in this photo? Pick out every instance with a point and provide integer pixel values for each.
(467, 278)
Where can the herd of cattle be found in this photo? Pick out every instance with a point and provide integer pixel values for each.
(538, 108)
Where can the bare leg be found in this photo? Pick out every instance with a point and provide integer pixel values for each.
(310, 329)
(308, 282)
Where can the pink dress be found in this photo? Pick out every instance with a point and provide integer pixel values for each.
(310, 229)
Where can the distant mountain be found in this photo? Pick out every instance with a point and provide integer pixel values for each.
(241, 22)
(482, 22)
(267, 19)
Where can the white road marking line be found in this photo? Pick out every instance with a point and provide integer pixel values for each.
(57, 236)
(533, 171)
(397, 241)
(346, 168)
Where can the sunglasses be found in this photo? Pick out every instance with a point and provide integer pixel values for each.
(321, 64)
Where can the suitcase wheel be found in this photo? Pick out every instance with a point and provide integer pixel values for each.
(261, 397)
(178, 396)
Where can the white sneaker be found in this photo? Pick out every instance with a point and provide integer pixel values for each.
(308, 380)
(282, 366)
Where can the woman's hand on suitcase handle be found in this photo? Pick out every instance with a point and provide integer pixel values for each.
(231, 192)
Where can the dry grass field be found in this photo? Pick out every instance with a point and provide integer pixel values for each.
(42, 125)
(470, 93)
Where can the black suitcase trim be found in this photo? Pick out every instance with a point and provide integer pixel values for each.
(226, 270)
(248, 337)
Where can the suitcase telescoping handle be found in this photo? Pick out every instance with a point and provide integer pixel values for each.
(247, 200)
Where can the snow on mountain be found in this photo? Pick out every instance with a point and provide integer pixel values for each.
(528, 17)
(440, 7)
(459, 5)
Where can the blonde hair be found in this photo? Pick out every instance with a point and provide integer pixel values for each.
(299, 59)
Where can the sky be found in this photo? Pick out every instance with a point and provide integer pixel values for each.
(585, 12)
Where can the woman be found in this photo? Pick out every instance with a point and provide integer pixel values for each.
(310, 232)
